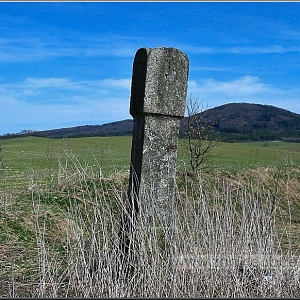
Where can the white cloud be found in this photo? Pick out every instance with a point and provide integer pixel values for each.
(269, 49)
(39, 48)
(52, 87)
(117, 83)
(210, 69)
(198, 49)
(16, 49)
(261, 50)
(37, 83)
(244, 89)
(46, 103)
(244, 86)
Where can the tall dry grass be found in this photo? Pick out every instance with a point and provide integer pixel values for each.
(232, 237)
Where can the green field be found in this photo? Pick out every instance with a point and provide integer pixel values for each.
(255, 154)
(21, 156)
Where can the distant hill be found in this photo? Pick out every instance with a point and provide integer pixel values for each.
(124, 127)
(233, 121)
(253, 122)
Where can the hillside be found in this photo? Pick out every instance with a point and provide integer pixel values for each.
(233, 121)
(111, 129)
(253, 122)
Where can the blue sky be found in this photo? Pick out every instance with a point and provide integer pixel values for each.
(65, 64)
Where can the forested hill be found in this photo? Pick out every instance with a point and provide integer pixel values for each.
(124, 127)
(233, 121)
(254, 122)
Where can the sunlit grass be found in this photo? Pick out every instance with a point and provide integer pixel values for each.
(113, 153)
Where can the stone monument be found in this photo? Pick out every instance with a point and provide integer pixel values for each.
(157, 104)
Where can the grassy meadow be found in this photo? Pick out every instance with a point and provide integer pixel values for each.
(237, 230)
(112, 155)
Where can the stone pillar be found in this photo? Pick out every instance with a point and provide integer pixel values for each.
(158, 95)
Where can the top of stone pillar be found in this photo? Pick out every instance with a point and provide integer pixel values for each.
(159, 82)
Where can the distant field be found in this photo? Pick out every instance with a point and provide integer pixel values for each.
(253, 154)
(23, 156)
(32, 155)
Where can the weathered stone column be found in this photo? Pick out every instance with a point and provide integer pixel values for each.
(158, 95)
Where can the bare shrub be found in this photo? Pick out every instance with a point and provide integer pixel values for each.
(200, 136)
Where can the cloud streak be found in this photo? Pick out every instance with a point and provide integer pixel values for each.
(37, 47)
(244, 89)
(22, 41)
(40, 48)
(46, 103)
(240, 50)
